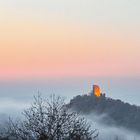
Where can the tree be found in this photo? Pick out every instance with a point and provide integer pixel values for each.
(50, 120)
(4, 138)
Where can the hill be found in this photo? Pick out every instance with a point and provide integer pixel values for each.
(117, 112)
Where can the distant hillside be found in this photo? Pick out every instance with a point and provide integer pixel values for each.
(120, 113)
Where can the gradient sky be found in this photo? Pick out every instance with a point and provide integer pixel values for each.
(64, 38)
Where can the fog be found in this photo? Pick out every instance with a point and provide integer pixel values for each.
(110, 131)
(22, 91)
(106, 131)
(15, 96)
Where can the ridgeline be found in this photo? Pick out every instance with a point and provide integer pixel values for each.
(117, 112)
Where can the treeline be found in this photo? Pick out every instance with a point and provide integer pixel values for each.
(120, 113)
(48, 119)
(52, 119)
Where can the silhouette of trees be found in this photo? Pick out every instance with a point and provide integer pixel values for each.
(50, 120)
(118, 112)
(4, 138)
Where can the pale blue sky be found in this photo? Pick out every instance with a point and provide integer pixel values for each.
(126, 12)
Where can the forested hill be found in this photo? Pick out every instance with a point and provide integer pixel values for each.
(120, 113)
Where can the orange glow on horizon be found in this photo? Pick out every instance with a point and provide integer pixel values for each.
(37, 50)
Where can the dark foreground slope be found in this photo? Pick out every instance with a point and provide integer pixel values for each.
(120, 113)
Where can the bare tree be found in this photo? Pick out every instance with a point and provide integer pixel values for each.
(50, 120)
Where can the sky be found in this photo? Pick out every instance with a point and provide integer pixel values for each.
(95, 40)
(41, 38)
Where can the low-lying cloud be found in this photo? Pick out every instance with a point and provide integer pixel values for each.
(111, 131)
